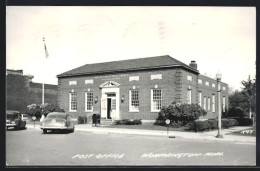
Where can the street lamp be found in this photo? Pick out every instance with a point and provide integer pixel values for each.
(218, 76)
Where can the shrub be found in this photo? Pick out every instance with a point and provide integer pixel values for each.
(236, 112)
(117, 122)
(202, 126)
(245, 121)
(181, 113)
(225, 123)
(233, 122)
(137, 122)
(191, 125)
(82, 119)
(213, 123)
(175, 124)
(210, 124)
(128, 122)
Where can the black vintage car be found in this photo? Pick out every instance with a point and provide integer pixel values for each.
(14, 119)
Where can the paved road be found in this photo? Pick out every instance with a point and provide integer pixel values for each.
(33, 148)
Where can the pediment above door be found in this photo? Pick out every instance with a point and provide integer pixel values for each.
(109, 84)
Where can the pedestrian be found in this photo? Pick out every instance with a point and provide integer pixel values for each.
(42, 118)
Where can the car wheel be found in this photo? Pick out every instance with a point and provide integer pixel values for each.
(72, 130)
(44, 131)
(18, 127)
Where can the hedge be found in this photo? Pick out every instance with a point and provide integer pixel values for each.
(128, 122)
(211, 124)
(245, 121)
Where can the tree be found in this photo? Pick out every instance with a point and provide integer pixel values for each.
(44, 109)
(238, 99)
(246, 98)
(249, 90)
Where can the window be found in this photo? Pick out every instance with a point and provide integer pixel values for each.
(189, 96)
(224, 88)
(73, 102)
(200, 98)
(199, 81)
(88, 81)
(134, 100)
(156, 96)
(224, 104)
(213, 85)
(205, 103)
(208, 103)
(134, 78)
(113, 104)
(207, 83)
(155, 77)
(189, 77)
(72, 82)
(213, 103)
(89, 101)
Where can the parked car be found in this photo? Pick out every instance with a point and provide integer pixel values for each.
(14, 119)
(57, 121)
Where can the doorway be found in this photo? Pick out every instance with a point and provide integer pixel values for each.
(108, 108)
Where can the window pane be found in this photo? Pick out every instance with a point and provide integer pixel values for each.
(134, 106)
(89, 101)
(73, 101)
(157, 99)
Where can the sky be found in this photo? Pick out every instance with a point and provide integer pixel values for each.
(220, 39)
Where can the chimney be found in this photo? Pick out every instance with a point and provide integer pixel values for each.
(193, 64)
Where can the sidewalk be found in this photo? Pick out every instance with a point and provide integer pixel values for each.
(211, 135)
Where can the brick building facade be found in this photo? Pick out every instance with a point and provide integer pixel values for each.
(136, 89)
(21, 91)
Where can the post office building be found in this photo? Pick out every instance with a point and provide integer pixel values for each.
(137, 88)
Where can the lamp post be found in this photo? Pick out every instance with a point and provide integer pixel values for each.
(218, 76)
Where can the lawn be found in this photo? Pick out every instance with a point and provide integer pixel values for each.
(246, 132)
(150, 127)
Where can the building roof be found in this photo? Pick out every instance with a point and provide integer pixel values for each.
(127, 65)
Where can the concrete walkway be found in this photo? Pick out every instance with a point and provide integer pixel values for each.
(210, 135)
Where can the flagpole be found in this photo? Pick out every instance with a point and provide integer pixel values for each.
(43, 75)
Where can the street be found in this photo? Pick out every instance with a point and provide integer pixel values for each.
(31, 147)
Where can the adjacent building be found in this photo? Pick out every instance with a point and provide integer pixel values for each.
(21, 91)
(137, 88)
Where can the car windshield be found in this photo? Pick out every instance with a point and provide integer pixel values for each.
(11, 116)
(60, 116)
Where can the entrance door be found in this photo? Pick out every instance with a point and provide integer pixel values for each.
(108, 108)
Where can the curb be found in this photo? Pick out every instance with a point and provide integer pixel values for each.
(160, 134)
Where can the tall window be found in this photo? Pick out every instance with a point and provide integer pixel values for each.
(208, 103)
(156, 96)
(205, 103)
(73, 102)
(200, 98)
(213, 103)
(113, 104)
(189, 96)
(224, 104)
(134, 100)
(89, 101)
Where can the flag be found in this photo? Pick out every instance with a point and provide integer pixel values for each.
(46, 52)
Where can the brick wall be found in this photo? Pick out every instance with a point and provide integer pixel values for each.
(209, 90)
(144, 85)
(19, 93)
(173, 88)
